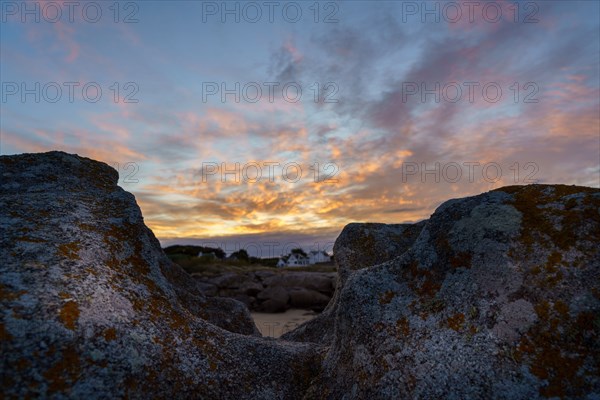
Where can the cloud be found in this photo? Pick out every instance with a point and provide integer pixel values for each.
(369, 136)
(65, 35)
(286, 62)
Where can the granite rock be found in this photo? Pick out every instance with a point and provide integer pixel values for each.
(495, 296)
(92, 308)
(498, 297)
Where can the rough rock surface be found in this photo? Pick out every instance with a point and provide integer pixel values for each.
(363, 245)
(358, 246)
(497, 298)
(92, 308)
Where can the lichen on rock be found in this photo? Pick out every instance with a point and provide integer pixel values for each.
(498, 297)
(495, 296)
(92, 308)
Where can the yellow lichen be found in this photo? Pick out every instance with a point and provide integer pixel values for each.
(69, 250)
(7, 295)
(23, 364)
(69, 313)
(386, 297)
(538, 226)
(557, 347)
(30, 239)
(461, 259)
(65, 372)
(110, 334)
(456, 321)
(423, 282)
(4, 335)
(403, 326)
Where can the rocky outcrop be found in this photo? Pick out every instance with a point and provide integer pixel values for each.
(496, 296)
(273, 291)
(358, 246)
(362, 245)
(92, 308)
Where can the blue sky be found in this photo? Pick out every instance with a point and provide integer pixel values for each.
(378, 138)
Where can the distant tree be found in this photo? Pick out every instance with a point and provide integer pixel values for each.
(193, 251)
(241, 255)
(299, 251)
(269, 262)
(218, 252)
(187, 250)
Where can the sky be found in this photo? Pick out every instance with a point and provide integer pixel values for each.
(272, 125)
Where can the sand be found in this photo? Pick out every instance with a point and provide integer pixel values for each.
(275, 325)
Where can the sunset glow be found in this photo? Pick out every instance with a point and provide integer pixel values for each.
(395, 115)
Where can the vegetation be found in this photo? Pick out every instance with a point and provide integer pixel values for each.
(194, 250)
(241, 255)
(299, 251)
(238, 262)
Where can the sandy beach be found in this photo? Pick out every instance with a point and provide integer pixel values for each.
(275, 325)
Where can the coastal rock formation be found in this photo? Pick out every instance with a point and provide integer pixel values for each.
(496, 296)
(92, 308)
(358, 246)
(363, 245)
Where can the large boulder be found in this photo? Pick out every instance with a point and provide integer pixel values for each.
(268, 291)
(208, 289)
(251, 288)
(497, 298)
(229, 280)
(92, 308)
(363, 245)
(308, 299)
(273, 299)
(323, 282)
(359, 246)
(262, 275)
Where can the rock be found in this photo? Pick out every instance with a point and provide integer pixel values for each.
(362, 245)
(207, 289)
(272, 306)
(358, 246)
(245, 288)
(322, 282)
(273, 299)
(251, 288)
(90, 307)
(308, 299)
(262, 275)
(229, 280)
(497, 297)
(242, 298)
(319, 329)
(513, 320)
(276, 293)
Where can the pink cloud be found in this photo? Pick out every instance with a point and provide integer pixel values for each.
(293, 51)
(65, 35)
